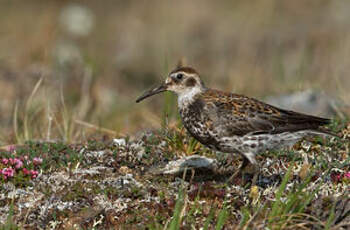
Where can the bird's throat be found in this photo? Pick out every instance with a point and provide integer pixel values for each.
(187, 97)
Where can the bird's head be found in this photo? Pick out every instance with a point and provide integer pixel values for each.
(183, 81)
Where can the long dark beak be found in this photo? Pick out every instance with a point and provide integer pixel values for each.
(152, 92)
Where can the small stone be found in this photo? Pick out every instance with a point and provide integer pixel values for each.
(190, 162)
(119, 142)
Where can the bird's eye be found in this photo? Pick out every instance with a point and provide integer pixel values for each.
(179, 76)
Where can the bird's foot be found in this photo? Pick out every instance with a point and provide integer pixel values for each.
(255, 178)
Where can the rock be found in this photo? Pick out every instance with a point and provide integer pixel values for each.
(309, 102)
(189, 162)
(119, 142)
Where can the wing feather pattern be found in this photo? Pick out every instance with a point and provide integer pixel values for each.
(241, 115)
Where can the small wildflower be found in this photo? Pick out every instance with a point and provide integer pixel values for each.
(8, 172)
(347, 175)
(25, 171)
(34, 173)
(12, 161)
(37, 160)
(254, 193)
(11, 148)
(18, 163)
(5, 161)
(336, 177)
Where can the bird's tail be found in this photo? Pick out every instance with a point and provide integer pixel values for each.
(323, 132)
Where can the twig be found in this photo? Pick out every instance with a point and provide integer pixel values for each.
(95, 127)
(49, 117)
(15, 122)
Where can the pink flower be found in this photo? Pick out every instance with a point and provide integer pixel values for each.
(11, 148)
(34, 173)
(37, 160)
(8, 172)
(18, 163)
(12, 161)
(25, 171)
(335, 177)
(347, 175)
(5, 161)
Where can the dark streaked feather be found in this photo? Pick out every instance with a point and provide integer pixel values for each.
(240, 115)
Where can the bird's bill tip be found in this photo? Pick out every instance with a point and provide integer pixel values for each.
(152, 92)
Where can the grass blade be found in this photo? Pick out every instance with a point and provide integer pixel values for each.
(27, 107)
(210, 218)
(221, 219)
(176, 220)
(331, 217)
(277, 204)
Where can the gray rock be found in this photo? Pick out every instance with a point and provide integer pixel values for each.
(119, 142)
(190, 162)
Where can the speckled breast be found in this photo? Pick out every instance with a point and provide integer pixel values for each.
(197, 123)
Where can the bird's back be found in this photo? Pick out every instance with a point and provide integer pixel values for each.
(242, 115)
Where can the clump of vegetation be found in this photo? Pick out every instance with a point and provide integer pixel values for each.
(106, 182)
(19, 169)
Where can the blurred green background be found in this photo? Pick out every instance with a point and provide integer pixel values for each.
(96, 57)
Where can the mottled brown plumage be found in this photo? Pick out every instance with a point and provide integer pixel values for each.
(235, 123)
(243, 115)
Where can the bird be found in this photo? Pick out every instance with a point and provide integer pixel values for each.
(234, 123)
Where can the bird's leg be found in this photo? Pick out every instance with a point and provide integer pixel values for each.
(255, 166)
(241, 168)
(256, 174)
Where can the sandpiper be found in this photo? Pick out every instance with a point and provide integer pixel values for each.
(234, 123)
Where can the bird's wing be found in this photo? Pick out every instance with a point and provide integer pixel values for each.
(239, 115)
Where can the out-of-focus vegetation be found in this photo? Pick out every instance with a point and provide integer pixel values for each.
(96, 57)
